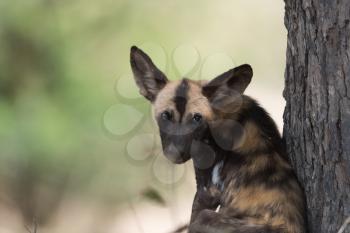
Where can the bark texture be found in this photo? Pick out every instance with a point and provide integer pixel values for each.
(317, 113)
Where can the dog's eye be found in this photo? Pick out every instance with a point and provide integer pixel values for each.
(166, 115)
(197, 117)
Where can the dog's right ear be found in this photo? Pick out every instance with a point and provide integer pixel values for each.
(148, 77)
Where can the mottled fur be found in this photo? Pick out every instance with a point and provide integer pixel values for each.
(248, 174)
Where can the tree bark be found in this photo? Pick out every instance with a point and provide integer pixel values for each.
(317, 113)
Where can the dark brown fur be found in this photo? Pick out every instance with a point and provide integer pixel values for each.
(261, 192)
(249, 175)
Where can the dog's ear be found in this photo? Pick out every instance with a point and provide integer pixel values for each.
(148, 77)
(225, 91)
(236, 79)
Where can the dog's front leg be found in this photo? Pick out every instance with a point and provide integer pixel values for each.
(207, 196)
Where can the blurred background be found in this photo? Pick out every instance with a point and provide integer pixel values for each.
(79, 151)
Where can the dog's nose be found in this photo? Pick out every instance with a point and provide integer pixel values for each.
(178, 147)
(175, 153)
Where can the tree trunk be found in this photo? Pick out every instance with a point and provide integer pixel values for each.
(317, 113)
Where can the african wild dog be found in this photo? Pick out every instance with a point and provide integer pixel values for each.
(237, 151)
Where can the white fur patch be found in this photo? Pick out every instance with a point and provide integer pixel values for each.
(215, 177)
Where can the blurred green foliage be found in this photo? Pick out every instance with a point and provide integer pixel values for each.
(51, 104)
(59, 60)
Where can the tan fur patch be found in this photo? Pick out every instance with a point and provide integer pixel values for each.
(252, 140)
(164, 100)
(259, 163)
(196, 102)
(255, 199)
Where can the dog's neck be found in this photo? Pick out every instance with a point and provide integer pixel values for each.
(210, 176)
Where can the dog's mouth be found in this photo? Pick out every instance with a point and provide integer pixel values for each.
(177, 159)
(175, 155)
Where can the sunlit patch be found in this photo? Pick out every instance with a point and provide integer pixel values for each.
(167, 172)
(120, 119)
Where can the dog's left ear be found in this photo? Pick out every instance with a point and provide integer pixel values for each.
(225, 95)
(148, 77)
(234, 80)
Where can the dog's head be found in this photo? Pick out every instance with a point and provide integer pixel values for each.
(188, 112)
